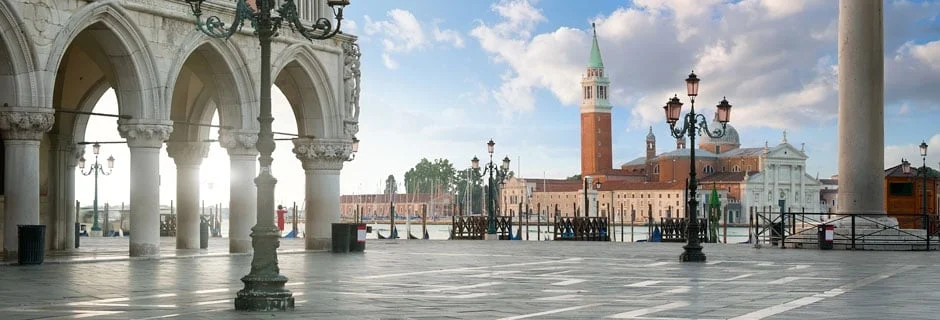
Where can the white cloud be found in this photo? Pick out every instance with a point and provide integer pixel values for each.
(928, 54)
(388, 62)
(911, 152)
(774, 60)
(447, 36)
(402, 33)
(349, 27)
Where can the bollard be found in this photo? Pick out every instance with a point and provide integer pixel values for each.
(203, 234)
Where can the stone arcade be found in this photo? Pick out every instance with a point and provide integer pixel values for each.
(58, 57)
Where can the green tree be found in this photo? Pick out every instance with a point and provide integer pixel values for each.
(574, 177)
(469, 186)
(426, 176)
(390, 186)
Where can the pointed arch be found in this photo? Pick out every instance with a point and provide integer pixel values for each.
(136, 84)
(17, 61)
(305, 82)
(236, 96)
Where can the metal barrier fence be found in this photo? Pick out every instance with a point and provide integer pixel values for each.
(856, 231)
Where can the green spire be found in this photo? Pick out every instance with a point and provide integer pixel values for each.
(596, 61)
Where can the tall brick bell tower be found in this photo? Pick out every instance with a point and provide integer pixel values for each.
(596, 152)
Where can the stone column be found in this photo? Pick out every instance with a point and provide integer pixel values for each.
(243, 195)
(187, 156)
(861, 107)
(21, 129)
(65, 157)
(322, 161)
(145, 138)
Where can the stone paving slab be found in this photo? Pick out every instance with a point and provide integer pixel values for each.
(399, 279)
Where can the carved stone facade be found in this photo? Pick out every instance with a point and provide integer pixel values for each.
(145, 134)
(169, 78)
(324, 154)
(239, 142)
(187, 153)
(25, 123)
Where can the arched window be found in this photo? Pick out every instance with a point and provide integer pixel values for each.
(736, 168)
(656, 169)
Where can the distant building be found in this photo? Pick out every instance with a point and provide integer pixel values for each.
(378, 206)
(654, 184)
(904, 192)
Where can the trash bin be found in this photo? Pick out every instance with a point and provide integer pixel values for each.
(825, 233)
(357, 243)
(32, 243)
(341, 237)
(78, 233)
(203, 235)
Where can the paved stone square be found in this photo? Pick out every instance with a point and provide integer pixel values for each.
(419, 279)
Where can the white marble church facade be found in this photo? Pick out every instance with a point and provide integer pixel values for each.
(782, 177)
(59, 56)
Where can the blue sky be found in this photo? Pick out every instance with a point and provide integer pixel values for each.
(440, 78)
(513, 76)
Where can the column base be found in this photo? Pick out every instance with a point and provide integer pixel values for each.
(144, 250)
(239, 245)
(692, 254)
(318, 244)
(264, 293)
(491, 236)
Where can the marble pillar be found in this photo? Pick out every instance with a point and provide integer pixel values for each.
(322, 160)
(243, 202)
(21, 130)
(187, 156)
(861, 107)
(64, 157)
(145, 139)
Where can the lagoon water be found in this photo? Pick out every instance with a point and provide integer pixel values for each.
(624, 234)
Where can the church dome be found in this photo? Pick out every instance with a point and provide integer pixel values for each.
(730, 138)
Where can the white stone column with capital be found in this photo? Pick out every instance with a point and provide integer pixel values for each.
(145, 139)
(65, 157)
(861, 107)
(21, 130)
(187, 156)
(322, 160)
(243, 195)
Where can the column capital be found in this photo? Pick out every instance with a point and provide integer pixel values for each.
(66, 145)
(239, 142)
(145, 133)
(187, 152)
(322, 154)
(21, 123)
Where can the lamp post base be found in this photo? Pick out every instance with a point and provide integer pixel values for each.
(263, 293)
(692, 253)
(264, 285)
(491, 236)
(95, 233)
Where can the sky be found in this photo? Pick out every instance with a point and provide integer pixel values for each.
(441, 78)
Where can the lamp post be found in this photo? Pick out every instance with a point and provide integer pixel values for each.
(693, 124)
(500, 172)
(96, 169)
(587, 184)
(923, 155)
(264, 285)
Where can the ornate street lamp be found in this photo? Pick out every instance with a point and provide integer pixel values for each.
(491, 191)
(694, 124)
(264, 285)
(96, 169)
(923, 155)
(587, 184)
